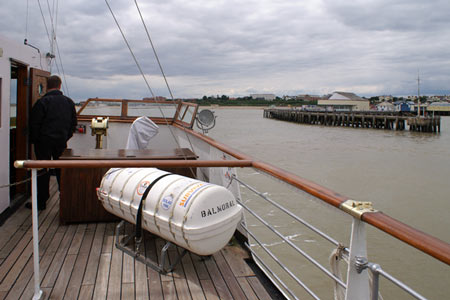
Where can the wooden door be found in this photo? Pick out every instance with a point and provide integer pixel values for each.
(33, 85)
(18, 135)
(38, 88)
(38, 84)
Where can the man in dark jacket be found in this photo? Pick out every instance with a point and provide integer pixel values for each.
(53, 121)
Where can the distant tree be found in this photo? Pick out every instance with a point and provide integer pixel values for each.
(374, 100)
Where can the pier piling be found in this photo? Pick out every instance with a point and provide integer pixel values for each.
(358, 119)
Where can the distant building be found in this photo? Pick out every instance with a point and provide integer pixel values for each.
(342, 101)
(385, 106)
(307, 97)
(385, 98)
(403, 106)
(157, 98)
(268, 97)
(439, 107)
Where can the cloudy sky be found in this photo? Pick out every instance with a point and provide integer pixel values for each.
(285, 47)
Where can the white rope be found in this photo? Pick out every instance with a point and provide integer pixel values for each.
(335, 258)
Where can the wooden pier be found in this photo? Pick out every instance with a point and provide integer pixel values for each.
(376, 120)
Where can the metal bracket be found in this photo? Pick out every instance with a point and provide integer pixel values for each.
(159, 267)
(357, 208)
(361, 263)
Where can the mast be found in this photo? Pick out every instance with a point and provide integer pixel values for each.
(418, 94)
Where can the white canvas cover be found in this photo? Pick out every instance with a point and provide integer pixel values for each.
(141, 131)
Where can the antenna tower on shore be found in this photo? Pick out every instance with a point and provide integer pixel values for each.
(418, 94)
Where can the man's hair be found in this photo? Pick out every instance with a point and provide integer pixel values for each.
(53, 82)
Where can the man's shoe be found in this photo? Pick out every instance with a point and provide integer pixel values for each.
(40, 207)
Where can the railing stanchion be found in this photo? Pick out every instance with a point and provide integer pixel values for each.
(374, 269)
(357, 275)
(37, 281)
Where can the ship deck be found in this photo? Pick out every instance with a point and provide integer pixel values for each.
(80, 261)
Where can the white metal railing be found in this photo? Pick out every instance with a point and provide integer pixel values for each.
(357, 285)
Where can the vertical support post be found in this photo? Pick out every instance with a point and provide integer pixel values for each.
(374, 268)
(357, 275)
(37, 281)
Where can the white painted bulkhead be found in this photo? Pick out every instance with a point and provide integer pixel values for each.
(11, 51)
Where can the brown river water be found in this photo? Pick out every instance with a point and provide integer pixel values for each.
(404, 174)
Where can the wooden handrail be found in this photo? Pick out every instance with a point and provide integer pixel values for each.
(416, 238)
(409, 235)
(116, 163)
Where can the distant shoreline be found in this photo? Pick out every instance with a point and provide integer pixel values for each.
(232, 107)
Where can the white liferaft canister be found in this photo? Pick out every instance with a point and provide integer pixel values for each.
(193, 214)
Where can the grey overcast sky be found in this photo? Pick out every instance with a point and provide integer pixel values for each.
(211, 47)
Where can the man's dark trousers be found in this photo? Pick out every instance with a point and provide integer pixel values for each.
(46, 150)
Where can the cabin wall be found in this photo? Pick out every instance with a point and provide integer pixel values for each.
(10, 50)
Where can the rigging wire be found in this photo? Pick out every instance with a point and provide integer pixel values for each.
(52, 45)
(131, 51)
(154, 50)
(148, 85)
(26, 23)
(62, 67)
(162, 71)
(45, 24)
(55, 42)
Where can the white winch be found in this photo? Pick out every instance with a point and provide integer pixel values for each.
(198, 216)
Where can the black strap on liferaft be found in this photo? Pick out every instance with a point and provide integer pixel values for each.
(141, 204)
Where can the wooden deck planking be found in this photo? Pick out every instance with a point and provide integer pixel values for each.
(248, 291)
(209, 290)
(86, 291)
(94, 255)
(181, 285)
(128, 291)
(191, 278)
(259, 289)
(228, 276)
(101, 283)
(15, 263)
(27, 272)
(154, 279)
(44, 265)
(74, 285)
(12, 233)
(80, 261)
(128, 262)
(238, 266)
(58, 260)
(169, 290)
(200, 267)
(115, 274)
(140, 275)
(63, 278)
(216, 278)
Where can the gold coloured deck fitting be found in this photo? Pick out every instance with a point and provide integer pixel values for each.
(357, 208)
